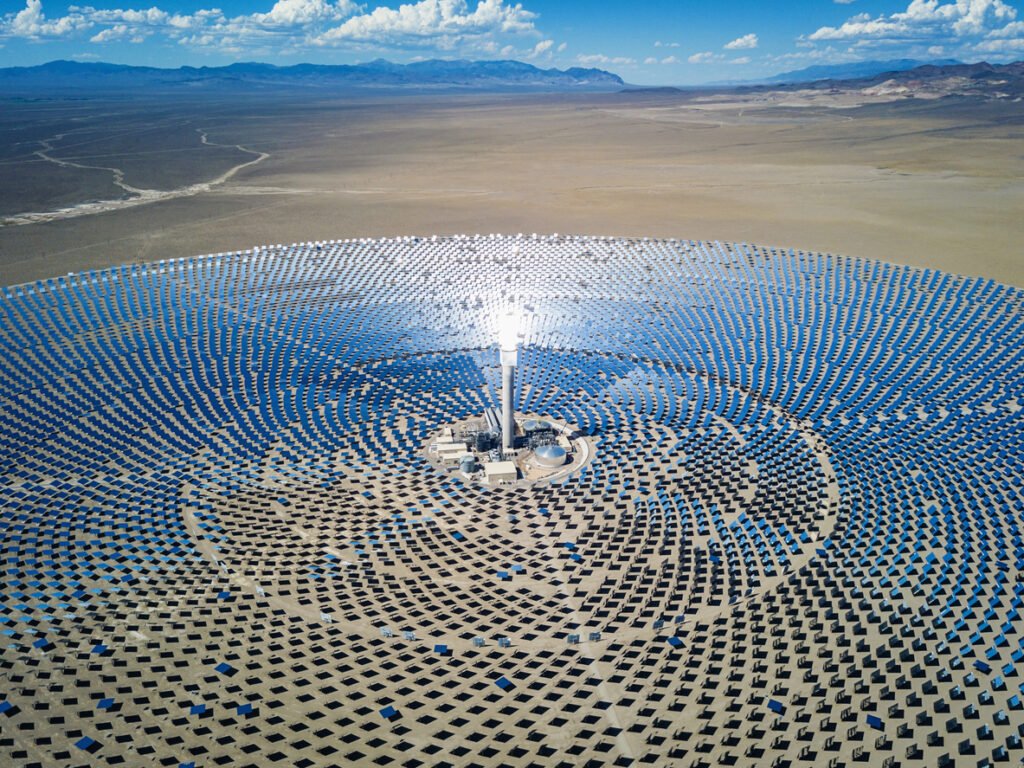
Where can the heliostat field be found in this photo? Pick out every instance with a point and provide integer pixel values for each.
(795, 539)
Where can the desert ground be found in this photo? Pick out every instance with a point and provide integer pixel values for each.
(93, 182)
(180, 442)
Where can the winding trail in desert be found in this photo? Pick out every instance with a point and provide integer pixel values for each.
(139, 196)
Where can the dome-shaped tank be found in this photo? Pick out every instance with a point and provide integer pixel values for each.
(550, 456)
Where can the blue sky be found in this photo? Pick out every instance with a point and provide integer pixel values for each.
(659, 42)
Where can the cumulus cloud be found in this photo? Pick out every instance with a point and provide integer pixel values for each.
(742, 43)
(445, 24)
(1007, 41)
(116, 33)
(704, 57)
(596, 59)
(962, 28)
(541, 48)
(31, 23)
(659, 44)
(302, 12)
(924, 20)
(1013, 29)
(433, 21)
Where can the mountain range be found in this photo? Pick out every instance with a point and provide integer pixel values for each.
(68, 75)
(854, 70)
(932, 81)
(946, 77)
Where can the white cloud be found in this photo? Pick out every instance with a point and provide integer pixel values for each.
(292, 24)
(1013, 29)
(842, 2)
(740, 60)
(302, 12)
(650, 60)
(670, 60)
(742, 43)
(978, 14)
(704, 57)
(827, 54)
(149, 16)
(659, 44)
(562, 47)
(1001, 46)
(433, 21)
(541, 48)
(924, 20)
(31, 23)
(596, 59)
(116, 32)
(965, 29)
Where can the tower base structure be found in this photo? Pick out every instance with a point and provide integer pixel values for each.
(545, 450)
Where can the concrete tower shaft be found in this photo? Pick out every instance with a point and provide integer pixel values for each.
(508, 398)
(509, 341)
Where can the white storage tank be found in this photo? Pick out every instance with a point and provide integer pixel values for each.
(550, 456)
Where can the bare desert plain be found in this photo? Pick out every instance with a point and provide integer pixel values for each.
(92, 182)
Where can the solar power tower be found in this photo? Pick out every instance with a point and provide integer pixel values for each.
(508, 339)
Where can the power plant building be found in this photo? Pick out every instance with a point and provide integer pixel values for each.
(500, 473)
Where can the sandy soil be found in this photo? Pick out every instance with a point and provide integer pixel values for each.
(937, 184)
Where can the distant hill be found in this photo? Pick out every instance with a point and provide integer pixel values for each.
(653, 90)
(64, 75)
(980, 71)
(935, 81)
(981, 80)
(853, 71)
